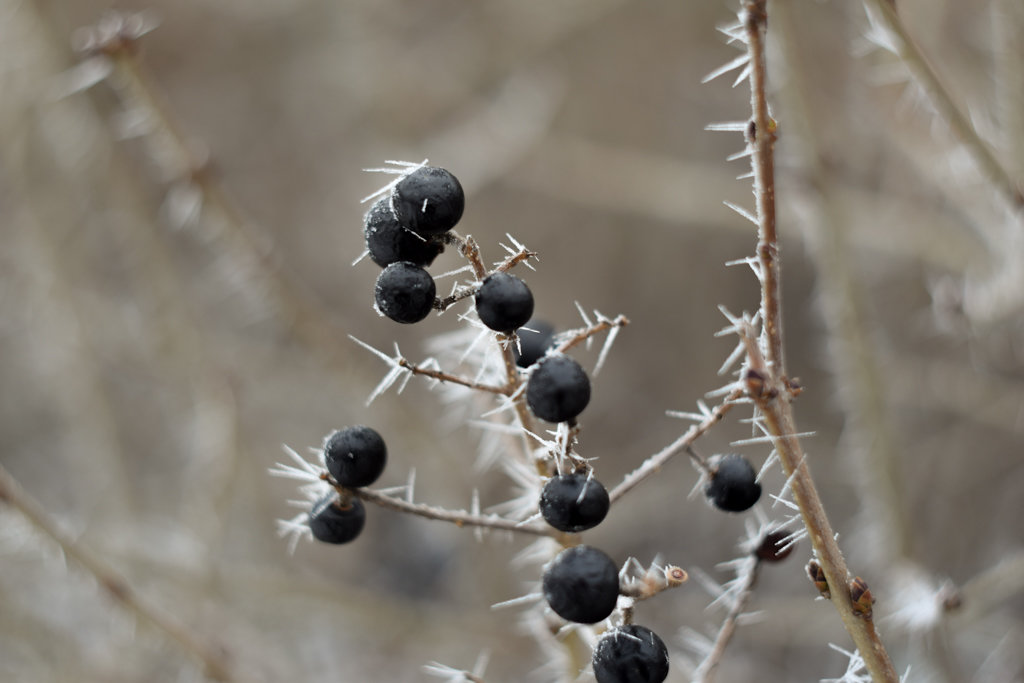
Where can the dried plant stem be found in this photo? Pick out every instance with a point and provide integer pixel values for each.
(772, 391)
(214, 660)
(656, 461)
(912, 55)
(457, 517)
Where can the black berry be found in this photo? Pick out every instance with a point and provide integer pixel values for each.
(428, 200)
(405, 292)
(535, 338)
(574, 502)
(355, 456)
(582, 584)
(504, 302)
(388, 241)
(631, 654)
(332, 523)
(558, 390)
(733, 486)
(774, 547)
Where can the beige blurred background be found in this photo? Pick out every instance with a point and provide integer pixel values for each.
(177, 294)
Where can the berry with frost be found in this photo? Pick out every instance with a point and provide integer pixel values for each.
(355, 456)
(733, 483)
(428, 200)
(631, 654)
(774, 547)
(535, 338)
(504, 302)
(558, 390)
(574, 502)
(581, 584)
(405, 292)
(331, 522)
(389, 241)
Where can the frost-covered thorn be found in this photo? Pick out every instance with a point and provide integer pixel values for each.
(399, 168)
(736, 63)
(856, 670)
(528, 599)
(727, 126)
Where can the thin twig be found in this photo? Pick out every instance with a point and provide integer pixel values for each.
(579, 336)
(706, 671)
(457, 517)
(213, 658)
(761, 141)
(768, 385)
(441, 376)
(514, 260)
(656, 461)
(452, 299)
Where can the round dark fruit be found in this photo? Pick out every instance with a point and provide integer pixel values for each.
(630, 654)
(535, 338)
(388, 241)
(775, 546)
(558, 389)
(355, 456)
(733, 485)
(574, 502)
(504, 302)
(581, 584)
(331, 522)
(405, 292)
(428, 200)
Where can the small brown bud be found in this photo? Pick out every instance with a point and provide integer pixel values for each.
(861, 597)
(755, 381)
(817, 575)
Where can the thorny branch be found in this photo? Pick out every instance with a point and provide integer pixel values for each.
(457, 517)
(767, 384)
(441, 376)
(656, 461)
(706, 672)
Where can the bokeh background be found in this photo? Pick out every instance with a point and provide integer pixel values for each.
(178, 226)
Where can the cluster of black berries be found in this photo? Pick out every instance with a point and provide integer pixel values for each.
(404, 232)
(582, 585)
(354, 457)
